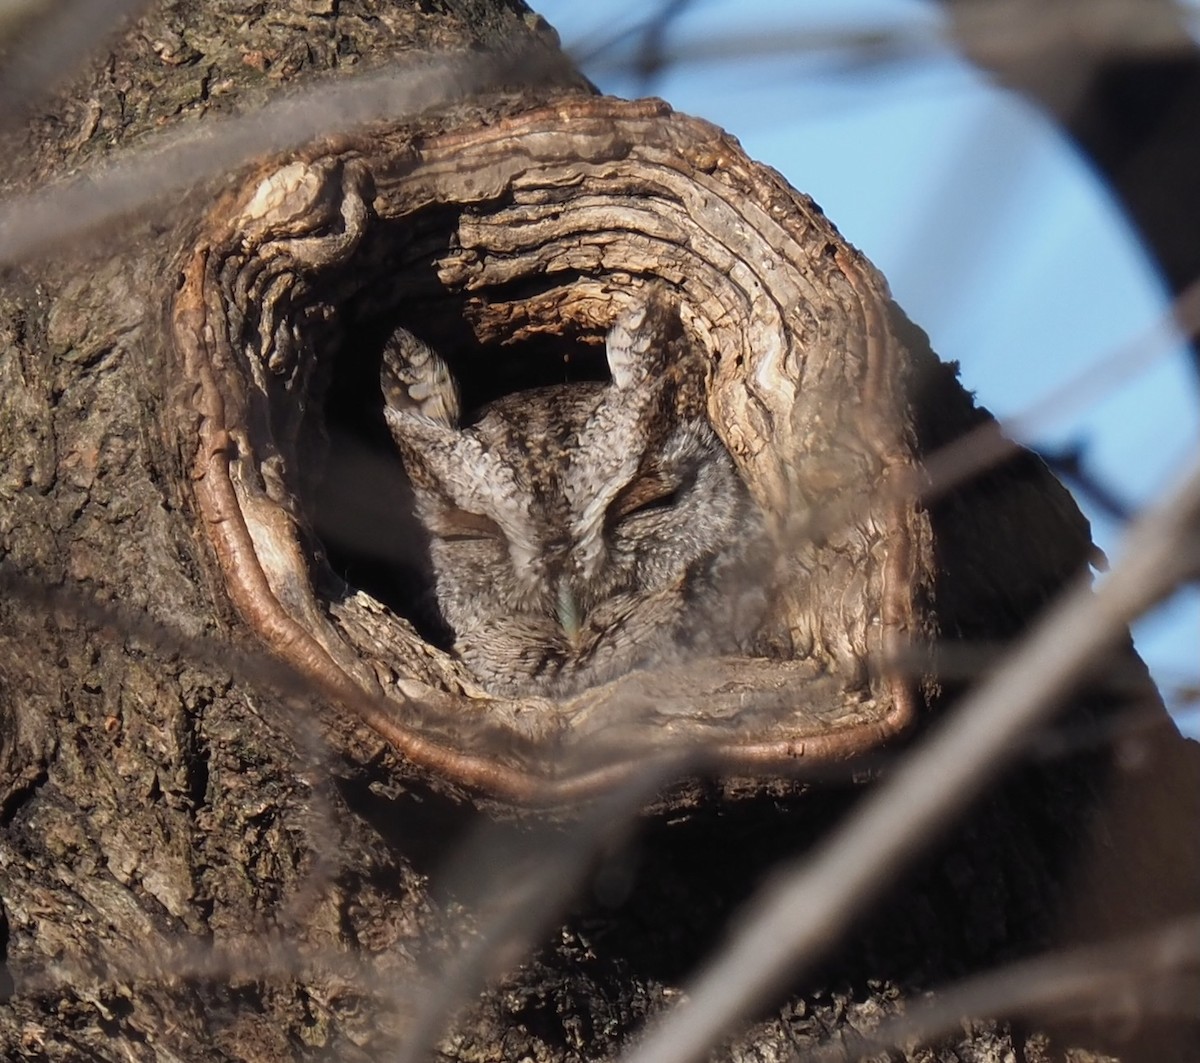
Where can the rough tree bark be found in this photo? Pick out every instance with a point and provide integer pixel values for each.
(207, 857)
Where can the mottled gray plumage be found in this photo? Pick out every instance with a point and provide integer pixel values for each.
(583, 530)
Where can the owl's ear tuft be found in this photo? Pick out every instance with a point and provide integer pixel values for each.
(642, 339)
(415, 380)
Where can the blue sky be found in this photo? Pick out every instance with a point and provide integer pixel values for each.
(994, 234)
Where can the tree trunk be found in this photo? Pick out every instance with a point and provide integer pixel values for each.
(203, 858)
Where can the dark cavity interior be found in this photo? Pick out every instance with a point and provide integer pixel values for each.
(357, 497)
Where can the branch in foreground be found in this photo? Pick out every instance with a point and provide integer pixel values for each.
(992, 442)
(38, 58)
(44, 219)
(1139, 971)
(796, 918)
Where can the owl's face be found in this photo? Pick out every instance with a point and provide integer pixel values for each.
(574, 529)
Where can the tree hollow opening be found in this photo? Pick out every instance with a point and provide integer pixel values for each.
(510, 249)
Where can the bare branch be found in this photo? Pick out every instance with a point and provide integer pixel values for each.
(996, 33)
(64, 34)
(44, 219)
(533, 889)
(1137, 971)
(993, 441)
(796, 918)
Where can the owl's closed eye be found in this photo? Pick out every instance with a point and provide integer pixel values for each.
(580, 531)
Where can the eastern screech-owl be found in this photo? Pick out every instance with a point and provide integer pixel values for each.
(580, 531)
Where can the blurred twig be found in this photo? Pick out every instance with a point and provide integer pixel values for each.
(44, 43)
(527, 893)
(41, 220)
(1138, 973)
(1115, 28)
(993, 441)
(799, 915)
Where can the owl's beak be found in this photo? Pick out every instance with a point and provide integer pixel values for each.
(568, 611)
